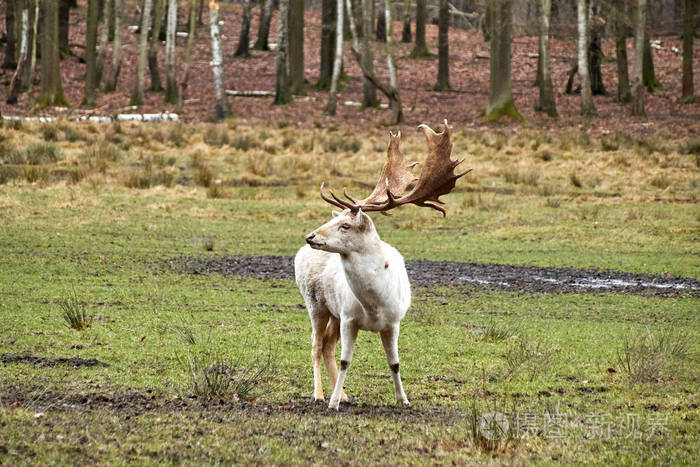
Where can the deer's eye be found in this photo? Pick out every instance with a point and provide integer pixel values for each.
(345, 226)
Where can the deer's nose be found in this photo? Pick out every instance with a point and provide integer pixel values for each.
(309, 238)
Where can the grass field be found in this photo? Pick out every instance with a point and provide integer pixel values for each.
(216, 369)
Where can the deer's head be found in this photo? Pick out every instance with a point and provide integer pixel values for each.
(350, 229)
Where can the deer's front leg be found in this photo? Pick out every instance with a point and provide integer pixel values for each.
(390, 339)
(348, 334)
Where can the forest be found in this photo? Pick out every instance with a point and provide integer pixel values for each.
(160, 166)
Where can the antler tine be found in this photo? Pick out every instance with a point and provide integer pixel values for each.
(339, 203)
(345, 192)
(437, 177)
(396, 175)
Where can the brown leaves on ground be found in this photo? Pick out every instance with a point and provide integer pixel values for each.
(463, 105)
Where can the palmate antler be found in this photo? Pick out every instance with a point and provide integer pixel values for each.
(436, 179)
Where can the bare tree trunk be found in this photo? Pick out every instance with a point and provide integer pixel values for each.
(328, 19)
(200, 12)
(421, 48)
(546, 101)
(296, 47)
(154, 43)
(688, 91)
(104, 38)
(170, 37)
(64, 27)
(338, 63)
(217, 61)
(283, 92)
(28, 76)
(264, 26)
(91, 54)
(113, 76)
(244, 37)
(10, 60)
(51, 89)
(639, 39)
(369, 92)
(587, 107)
(623, 79)
(389, 90)
(137, 97)
(443, 78)
(23, 33)
(380, 35)
(595, 52)
(191, 33)
(648, 75)
(500, 91)
(406, 31)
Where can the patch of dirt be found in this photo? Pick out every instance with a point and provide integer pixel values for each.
(531, 279)
(138, 403)
(75, 362)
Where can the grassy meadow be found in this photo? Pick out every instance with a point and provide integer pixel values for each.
(213, 369)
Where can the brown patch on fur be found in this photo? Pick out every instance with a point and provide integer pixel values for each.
(394, 367)
(344, 365)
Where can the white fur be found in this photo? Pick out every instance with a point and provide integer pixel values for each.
(350, 280)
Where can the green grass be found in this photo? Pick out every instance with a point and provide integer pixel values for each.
(612, 366)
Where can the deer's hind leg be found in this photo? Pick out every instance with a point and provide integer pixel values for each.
(319, 322)
(330, 342)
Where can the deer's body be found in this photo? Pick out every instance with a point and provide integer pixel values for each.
(351, 280)
(372, 290)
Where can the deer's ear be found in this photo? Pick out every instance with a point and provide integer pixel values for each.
(336, 213)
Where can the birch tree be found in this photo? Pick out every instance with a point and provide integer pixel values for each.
(91, 54)
(113, 75)
(170, 37)
(217, 61)
(244, 37)
(51, 92)
(687, 93)
(191, 33)
(390, 90)
(500, 92)
(27, 77)
(338, 62)
(639, 38)
(546, 99)
(443, 78)
(587, 107)
(23, 59)
(137, 96)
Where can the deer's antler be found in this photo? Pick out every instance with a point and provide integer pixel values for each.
(436, 179)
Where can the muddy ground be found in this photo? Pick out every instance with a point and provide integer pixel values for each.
(135, 403)
(425, 273)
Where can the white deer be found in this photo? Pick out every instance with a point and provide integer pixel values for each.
(350, 279)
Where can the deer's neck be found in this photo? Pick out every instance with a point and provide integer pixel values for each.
(370, 274)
